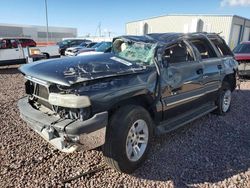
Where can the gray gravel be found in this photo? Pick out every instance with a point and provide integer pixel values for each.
(210, 152)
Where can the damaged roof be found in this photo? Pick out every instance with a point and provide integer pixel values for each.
(162, 37)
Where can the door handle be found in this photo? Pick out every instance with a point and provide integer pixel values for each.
(219, 67)
(199, 71)
(17, 50)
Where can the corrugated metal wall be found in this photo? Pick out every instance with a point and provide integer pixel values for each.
(38, 33)
(182, 23)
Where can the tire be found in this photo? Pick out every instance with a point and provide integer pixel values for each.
(46, 55)
(224, 99)
(120, 141)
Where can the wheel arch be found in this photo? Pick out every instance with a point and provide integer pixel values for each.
(231, 80)
(144, 100)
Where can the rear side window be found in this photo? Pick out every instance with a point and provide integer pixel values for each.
(205, 49)
(221, 47)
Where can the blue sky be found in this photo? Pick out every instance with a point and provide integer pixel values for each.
(113, 14)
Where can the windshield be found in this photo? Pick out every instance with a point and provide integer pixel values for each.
(137, 52)
(83, 44)
(97, 45)
(103, 47)
(242, 48)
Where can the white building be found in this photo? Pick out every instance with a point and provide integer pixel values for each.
(38, 33)
(234, 29)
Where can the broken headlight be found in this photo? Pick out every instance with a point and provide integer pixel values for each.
(73, 113)
(69, 100)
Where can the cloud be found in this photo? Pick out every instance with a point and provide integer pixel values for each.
(234, 3)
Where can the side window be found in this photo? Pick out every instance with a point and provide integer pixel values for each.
(14, 43)
(2, 44)
(178, 53)
(205, 49)
(74, 42)
(222, 47)
(79, 42)
(8, 43)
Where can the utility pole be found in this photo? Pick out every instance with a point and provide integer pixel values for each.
(47, 23)
(99, 27)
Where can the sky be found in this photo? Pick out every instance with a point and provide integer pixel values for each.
(86, 15)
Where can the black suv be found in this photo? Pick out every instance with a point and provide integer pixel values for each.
(147, 86)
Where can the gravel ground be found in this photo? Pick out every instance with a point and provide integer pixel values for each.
(210, 152)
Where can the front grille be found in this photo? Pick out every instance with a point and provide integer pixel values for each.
(37, 90)
(41, 91)
(38, 93)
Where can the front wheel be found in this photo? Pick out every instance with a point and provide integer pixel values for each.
(127, 138)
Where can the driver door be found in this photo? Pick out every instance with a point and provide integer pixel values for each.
(181, 81)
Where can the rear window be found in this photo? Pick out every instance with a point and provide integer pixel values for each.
(222, 47)
(204, 47)
(242, 48)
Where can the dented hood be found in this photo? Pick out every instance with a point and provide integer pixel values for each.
(68, 71)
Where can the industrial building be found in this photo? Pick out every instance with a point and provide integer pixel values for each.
(37, 33)
(234, 29)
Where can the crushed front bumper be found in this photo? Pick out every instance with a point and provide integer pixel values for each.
(65, 134)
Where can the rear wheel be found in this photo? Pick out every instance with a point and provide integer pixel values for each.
(224, 99)
(127, 138)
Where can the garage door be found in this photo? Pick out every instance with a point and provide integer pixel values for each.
(246, 34)
(235, 36)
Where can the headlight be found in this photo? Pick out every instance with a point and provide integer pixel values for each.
(35, 51)
(69, 100)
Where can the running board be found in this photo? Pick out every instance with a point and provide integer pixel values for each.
(175, 123)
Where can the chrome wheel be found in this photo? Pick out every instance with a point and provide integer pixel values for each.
(137, 140)
(226, 101)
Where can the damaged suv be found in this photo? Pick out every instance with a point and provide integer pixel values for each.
(147, 86)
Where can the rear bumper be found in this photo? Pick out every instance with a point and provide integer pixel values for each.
(65, 134)
(244, 69)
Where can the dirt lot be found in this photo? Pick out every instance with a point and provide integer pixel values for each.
(210, 152)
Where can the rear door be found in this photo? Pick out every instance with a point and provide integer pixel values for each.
(182, 86)
(212, 64)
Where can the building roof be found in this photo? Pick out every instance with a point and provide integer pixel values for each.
(165, 15)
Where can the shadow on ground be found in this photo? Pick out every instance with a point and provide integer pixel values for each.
(210, 149)
(9, 70)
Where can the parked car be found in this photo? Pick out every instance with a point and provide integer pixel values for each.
(93, 48)
(242, 55)
(148, 85)
(104, 47)
(63, 45)
(13, 52)
(74, 50)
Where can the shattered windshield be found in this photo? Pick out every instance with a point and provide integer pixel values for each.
(138, 52)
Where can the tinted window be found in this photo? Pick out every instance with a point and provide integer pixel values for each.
(97, 45)
(178, 53)
(205, 49)
(222, 47)
(242, 48)
(90, 45)
(13, 43)
(104, 47)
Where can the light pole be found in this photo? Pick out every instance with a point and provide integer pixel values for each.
(47, 24)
